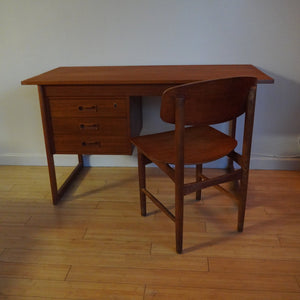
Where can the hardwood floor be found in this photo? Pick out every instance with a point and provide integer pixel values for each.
(95, 244)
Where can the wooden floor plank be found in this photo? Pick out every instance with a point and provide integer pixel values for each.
(105, 245)
(163, 277)
(70, 290)
(254, 266)
(14, 218)
(175, 262)
(242, 251)
(162, 293)
(30, 232)
(289, 240)
(33, 270)
(267, 225)
(29, 298)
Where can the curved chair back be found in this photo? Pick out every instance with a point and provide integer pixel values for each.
(208, 102)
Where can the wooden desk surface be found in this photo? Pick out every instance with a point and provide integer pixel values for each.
(135, 75)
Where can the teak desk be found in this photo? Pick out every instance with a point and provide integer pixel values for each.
(94, 110)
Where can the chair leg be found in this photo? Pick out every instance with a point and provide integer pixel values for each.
(142, 182)
(179, 221)
(179, 202)
(242, 201)
(198, 178)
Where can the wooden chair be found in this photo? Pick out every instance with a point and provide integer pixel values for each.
(192, 107)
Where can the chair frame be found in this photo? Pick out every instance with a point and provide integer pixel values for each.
(239, 176)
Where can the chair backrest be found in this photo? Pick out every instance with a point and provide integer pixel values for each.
(208, 102)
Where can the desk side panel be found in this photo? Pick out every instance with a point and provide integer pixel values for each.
(136, 116)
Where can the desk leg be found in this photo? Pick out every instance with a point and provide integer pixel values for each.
(70, 179)
(52, 177)
(58, 193)
(48, 136)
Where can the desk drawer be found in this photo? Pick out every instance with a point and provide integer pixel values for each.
(91, 126)
(91, 145)
(88, 107)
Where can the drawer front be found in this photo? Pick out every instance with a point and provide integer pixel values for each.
(90, 126)
(88, 107)
(65, 144)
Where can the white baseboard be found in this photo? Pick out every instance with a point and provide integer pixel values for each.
(68, 160)
(257, 162)
(275, 163)
(35, 160)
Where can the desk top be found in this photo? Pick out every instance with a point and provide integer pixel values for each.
(141, 75)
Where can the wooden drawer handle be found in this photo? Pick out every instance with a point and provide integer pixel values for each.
(87, 108)
(92, 143)
(88, 126)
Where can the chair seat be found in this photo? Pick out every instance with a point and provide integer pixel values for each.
(201, 144)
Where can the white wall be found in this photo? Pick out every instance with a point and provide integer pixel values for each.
(38, 35)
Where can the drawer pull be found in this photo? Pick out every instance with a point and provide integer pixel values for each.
(115, 105)
(87, 108)
(92, 143)
(88, 126)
